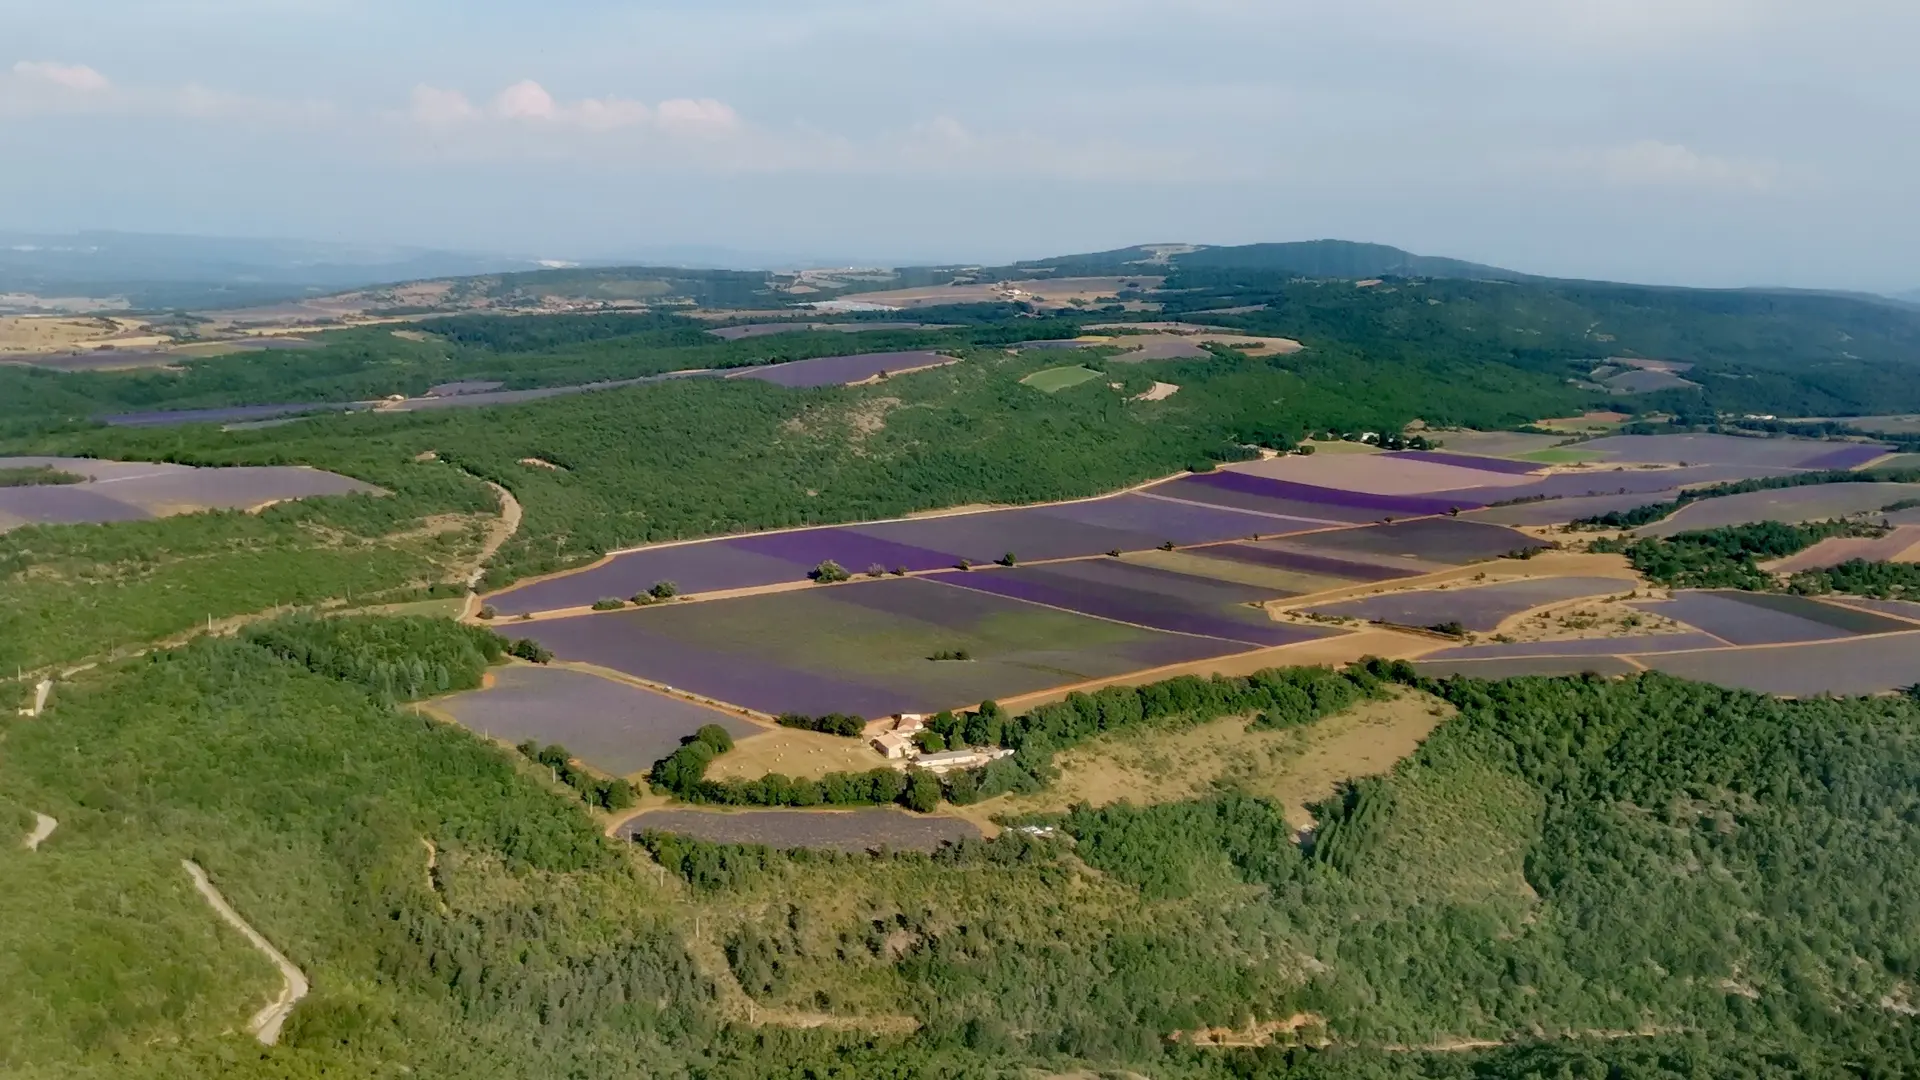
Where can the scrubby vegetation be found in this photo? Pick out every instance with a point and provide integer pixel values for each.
(37, 476)
(1729, 557)
(398, 659)
(1280, 697)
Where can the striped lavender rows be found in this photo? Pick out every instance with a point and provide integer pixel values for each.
(1122, 605)
(1469, 461)
(1287, 489)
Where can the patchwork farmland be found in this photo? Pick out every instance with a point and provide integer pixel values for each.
(1241, 567)
(104, 491)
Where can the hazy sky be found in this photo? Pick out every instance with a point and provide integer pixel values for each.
(1695, 141)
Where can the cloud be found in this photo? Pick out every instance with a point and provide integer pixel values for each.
(78, 78)
(42, 87)
(432, 105)
(527, 103)
(698, 115)
(1652, 163)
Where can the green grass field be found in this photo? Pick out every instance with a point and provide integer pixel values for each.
(1054, 379)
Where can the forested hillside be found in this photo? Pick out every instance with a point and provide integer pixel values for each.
(1647, 875)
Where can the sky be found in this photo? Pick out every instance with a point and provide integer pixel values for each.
(1700, 142)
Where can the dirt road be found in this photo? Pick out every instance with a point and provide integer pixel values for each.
(498, 534)
(43, 827)
(265, 1024)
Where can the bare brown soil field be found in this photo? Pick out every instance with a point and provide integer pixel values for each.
(1294, 767)
(27, 334)
(1585, 620)
(1546, 564)
(843, 830)
(807, 755)
(1047, 292)
(1160, 391)
(1592, 421)
(1377, 474)
(1187, 346)
(1502, 444)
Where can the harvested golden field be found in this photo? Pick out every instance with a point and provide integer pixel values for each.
(30, 334)
(792, 752)
(1046, 292)
(1293, 767)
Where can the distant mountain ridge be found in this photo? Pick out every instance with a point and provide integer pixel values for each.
(1308, 258)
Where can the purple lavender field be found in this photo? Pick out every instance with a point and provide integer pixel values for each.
(133, 490)
(1762, 619)
(1182, 523)
(1480, 608)
(614, 726)
(1471, 461)
(1868, 665)
(1138, 606)
(1128, 522)
(865, 647)
(1306, 563)
(1449, 541)
(874, 829)
(1376, 506)
(1706, 449)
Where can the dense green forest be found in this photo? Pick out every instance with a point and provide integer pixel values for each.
(71, 592)
(1640, 877)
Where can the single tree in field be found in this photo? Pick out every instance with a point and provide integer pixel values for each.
(829, 572)
(664, 590)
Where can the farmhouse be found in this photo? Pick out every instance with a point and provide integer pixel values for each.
(893, 745)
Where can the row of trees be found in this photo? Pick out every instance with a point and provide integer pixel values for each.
(1652, 512)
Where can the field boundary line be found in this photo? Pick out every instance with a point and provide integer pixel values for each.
(1250, 645)
(1270, 514)
(265, 1024)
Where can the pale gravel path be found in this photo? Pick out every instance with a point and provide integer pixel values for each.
(500, 533)
(43, 827)
(265, 1024)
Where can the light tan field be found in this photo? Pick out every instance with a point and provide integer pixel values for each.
(1160, 391)
(1294, 767)
(1593, 421)
(1049, 292)
(1197, 563)
(1545, 564)
(1341, 446)
(1585, 620)
(1377, 475)
(803, 754)
(30, 334)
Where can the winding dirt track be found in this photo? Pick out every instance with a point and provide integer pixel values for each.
(500, 533)
(265, 1024)
(43, 827)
